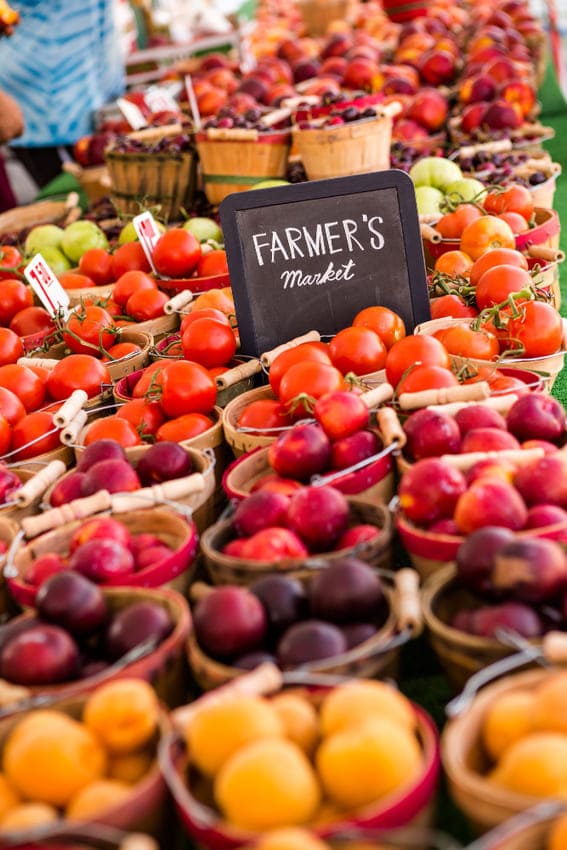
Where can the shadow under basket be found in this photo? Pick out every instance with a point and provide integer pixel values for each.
(141, 180)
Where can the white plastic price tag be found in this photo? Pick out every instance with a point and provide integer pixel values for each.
(159, 99)
(132, 113)
(148, 234)
(47, 287)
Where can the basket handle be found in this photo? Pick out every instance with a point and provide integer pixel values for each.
(554, 646)
(269, 356)
(501, 403)
(378, 395)
(199, 590)
(550, 255)
(407, 601)
(138, 841)
(56, 517)
(157, 132)
(42, 362)
(499, 146)
(70, 434)
(182, 299)
(515, 456)
(265, 679)
(38, 484)
(390, 427)
(238, 373)
(70, 408)
(429, 233)
(169, 491)
(463, 392)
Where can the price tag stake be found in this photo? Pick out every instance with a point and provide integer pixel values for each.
(148, 234)
(47, 287)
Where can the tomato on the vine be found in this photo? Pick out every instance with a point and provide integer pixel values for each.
(24, 383)
(15, 296)
(120, 350)
(498, 282)
(383, 321)
(341, 414)
(176, 253)
(74, 280)
(452, 225)
(10, 261)
(129, 258)
(203, 313)
(263, 414)
(485, 233)
(464, 341)
(316, 352)
(451, 305)
(184, 427)
(496, 257)
(307, 381)
(453, 263)
(11, 347)
(35, 426)
(412, 350)
(515, 198)
(357, 349)
(516, 221)
(112, 428)
(538, 329)
(5, 436)
(96, 263)
(89, 330)
(77, 372)
(186, 387)
(150, 379)
(209, 342)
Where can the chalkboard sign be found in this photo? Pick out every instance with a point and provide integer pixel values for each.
(312, 255)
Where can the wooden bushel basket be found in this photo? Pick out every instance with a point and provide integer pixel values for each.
(244, 441)
(143, 811)
(236, 160)
(125, 365)
(226, 569)
(318, 15)
(94, 179)
(42, 212)
(411, 805)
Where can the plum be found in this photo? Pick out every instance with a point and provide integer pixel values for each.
(260, 510)
(116, 476)
(67, 489)
(15, 627)
(311, 640)
(318, 515)
(536, 416)
(9, 483)
(162, 462)
(139, 622)
(476, 554)
(253, 659)
(43, 655)
(102, 528)
(475, 416)
(284, 599)
(356, 535)
(539, 516)
(229, 622)
(70, 600)
(531, 569)
(100, 450)
(444, 526)
(102, 560)
(431, 434)
(485, 622)
(354, 449)
(429, 491)
(43, 567)
(151, 556)
(357, 633)
(346, 591)
(301, 452)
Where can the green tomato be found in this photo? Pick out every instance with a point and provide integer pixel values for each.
(466, 189)
(41, 237)
(435, 171)
(80, 237)
(128, 232)
(55, 259)
(428, 200)
(204, 229)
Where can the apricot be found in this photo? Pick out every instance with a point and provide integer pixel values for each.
(130, 767)
(536, 765)
(557, 839)
(28, 816)
(300, 720)
(122, 714)
(350, 705)
(267, 784)
(49, 757)
(507, 720)
(290, 838)
(218, 730)
(9, 799)
(550, 705)
(361, 764)
(96, 798)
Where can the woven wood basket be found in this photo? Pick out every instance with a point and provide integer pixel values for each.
(42, 212)
(145, 810)
(356, 148)
(140, 180)
(94, 179)
(318, 15)
(485, 804)
(529, 830)
(90, 294)
(125, 365)
(226, 569)
(235, 162)
(243, 441)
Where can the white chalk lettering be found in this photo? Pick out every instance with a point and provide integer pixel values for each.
(296, 278)
(377, 242)
(315, 246)
(293, 240)
(332, 237)
(277, 245)
(350, 227)
(258, 245)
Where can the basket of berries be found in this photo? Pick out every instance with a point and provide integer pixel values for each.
(157, 166)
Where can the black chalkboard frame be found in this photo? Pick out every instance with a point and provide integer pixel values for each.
(233, 204)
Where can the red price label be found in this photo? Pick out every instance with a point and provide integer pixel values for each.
(148, 234)
(46, 286)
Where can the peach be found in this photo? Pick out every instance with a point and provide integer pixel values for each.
(544, 480)
(488, 440)
(490, 502)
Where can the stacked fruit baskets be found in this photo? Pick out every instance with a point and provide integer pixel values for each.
(212, 561)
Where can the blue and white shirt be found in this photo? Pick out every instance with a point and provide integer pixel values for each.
(62, 62)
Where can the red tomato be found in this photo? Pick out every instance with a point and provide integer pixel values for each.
(497, 283)
(484, 234)
(451, 305)
(387, 324)
(423, 377)
(184, 427)
(89, 330)
(5, 436)
(32, 320)
(10, 261)
(146, 304)
(515, 198)
(538, 330)
(412, 350)
(341, 414)
(357, 349)
(146, 417)
(120, 350)
(129, 258)
(97, 264)
(15, 296)
(73, 280)
(30, 428)
(112, 428)
(177, 253)
(24, 383)
(11, 347)
(129, 283)
(452, 225)
(77, 372)
(209, 342)
(306, 382)
(496, 257)
(204, 313)
(150, 379)
(186, 387)
(211, 263)
(315, 352)
(516, 221)
(11, 408)
(453, 263)
(266, 413)
(463, 341)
